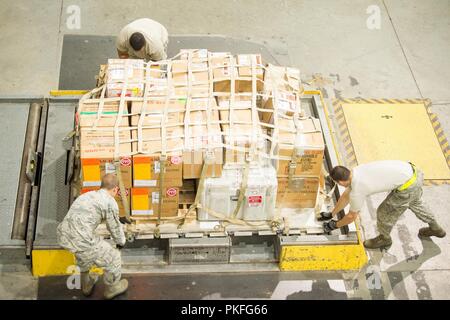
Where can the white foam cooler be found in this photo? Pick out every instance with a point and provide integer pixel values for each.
(221, 194)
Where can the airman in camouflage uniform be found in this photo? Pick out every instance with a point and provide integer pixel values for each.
(404, 183)
(76, 233)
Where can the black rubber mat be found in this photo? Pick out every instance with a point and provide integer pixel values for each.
(269, 285)
(83, 54)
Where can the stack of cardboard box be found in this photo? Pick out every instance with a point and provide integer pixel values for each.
(121, 73)
(298, 176)
(240, 127)
(185, 113)
(298, 182)
(176, 116)
(282, 88)
(98, 145)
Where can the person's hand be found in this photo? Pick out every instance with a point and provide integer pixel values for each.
(325, 216)
(329, 226)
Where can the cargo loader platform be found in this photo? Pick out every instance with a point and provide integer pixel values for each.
(300, 246)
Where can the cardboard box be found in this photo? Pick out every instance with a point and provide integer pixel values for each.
(121, 70)
(145, 202)
(240, 86)
(217, 58)
(303, 194)
(179, 66)
(157, 87)
(88, 114)
(222, 72)
(197, 77)
(193, 164)
(155, 119)
(197, 90)
(99, 143)
(118, 199)
(151, 140)
(199, 54)
(175, 111)
(146, 171)
(202, 138)
(245, 131)
(239, 102)
(92, 171)
(180, 72)
(243, 127)
(245, 65)
(309, 146)
(158, 104)
(287, 104)
(156, 72)
(282, 78)
(197, 65)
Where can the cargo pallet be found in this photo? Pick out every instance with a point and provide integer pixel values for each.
(294, 249)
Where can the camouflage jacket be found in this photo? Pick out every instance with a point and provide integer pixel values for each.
(77, 231)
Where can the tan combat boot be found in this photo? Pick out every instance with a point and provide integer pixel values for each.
(87, 283)
(116, 289)
(380, 242)
(432, 232)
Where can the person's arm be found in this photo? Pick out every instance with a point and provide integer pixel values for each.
(347, 219)
(114, 226)
(121, 45)
(355, 201)
(342, 202)
(122, 55)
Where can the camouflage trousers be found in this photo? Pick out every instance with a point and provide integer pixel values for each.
(102, 255)
(396, 204)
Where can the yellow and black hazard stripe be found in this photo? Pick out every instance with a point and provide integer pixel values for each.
(440, 135)
(344, 134)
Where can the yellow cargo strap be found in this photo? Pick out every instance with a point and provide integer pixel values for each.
(408, 183)
(123, 195)
(200, 187)
(242, 190)
(162, 171)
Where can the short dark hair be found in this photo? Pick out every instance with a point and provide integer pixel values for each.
(109, 181)
(137, 41)
(340, 173)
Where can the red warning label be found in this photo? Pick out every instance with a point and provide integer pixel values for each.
(254, 201)
(125, 161)
(175, 159)
(171, 192)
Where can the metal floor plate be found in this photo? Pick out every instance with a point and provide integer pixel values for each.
(13, 126)
(54, 193)
(409, 132)
(83, 54)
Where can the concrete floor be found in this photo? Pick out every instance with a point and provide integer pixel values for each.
(406, 58)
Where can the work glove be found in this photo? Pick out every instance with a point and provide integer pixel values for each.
(325, 216)
(329, 226)
(124, 220)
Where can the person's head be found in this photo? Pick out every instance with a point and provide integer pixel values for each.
(110, 183)
(341, 175)
(137, 41)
